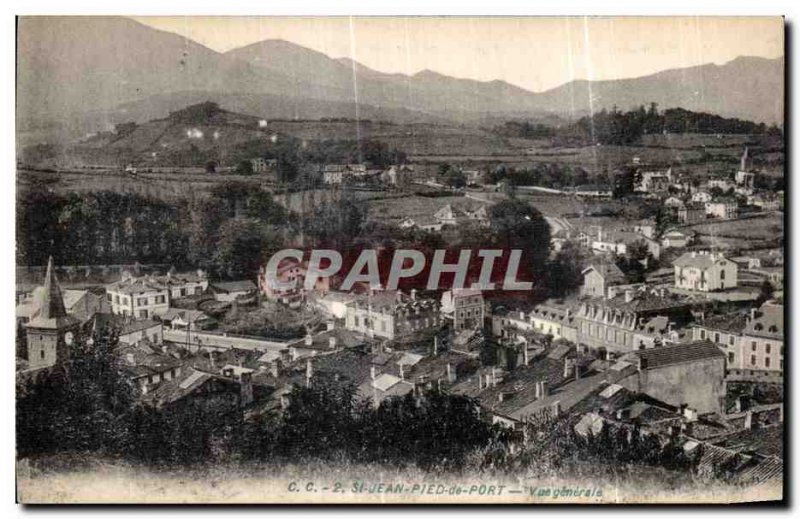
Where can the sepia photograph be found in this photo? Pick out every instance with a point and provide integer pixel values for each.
(399, 259)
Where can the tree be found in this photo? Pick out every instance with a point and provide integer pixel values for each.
(515, 224)
(624, 181)
(244, 167)
(455, 179)
(81, 406)
(766, 291)
(242, 247)
(566, 270)
(211, 166)
(336, 224)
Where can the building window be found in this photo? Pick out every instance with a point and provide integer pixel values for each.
(41, 354)
(731, 357)
(702, 334)
(753, 345)
(716, 337)
(722, 274)
(766, 362)
(143, 314)
(730, 340)
(752, 360)
(769, 347)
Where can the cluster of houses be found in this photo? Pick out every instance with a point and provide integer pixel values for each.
(654, 356)
(449, 215)
(716, 198)
(616, 354)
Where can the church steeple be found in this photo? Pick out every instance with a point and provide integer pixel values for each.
(745, 162)
(52, 329)
(52, 299)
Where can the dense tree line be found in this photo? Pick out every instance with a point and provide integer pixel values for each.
(551, 175)
(228, 233)
(101, 227)
(525, 130)
(627, 127)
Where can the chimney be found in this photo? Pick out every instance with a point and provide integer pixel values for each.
(309, 372)
(399, 296)
(293, 353)
(435, 345)
(537, 388)
(211, 358)
(545, 389)
(480, 380)
(752, 314)
(567, 368)
(332, 343)
(494, 378)
(642, 363)
(329, 326)
(500, 396)
(372, 373)
(402, 372)
(309, 340)
(413, 294)
(556, 408)
(275, 368)
(284, 401)
(748, 420)
(525, 354)
(451, 373)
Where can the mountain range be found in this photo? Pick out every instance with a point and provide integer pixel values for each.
(78, 74)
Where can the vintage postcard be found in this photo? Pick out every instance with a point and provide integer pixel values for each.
(400, 260)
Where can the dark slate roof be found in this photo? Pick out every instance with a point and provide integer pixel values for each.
(701, 260)
(768, 321)
(609, 271)
(234, 286)
(735, 322)
(191, 380)
(668, 355)
(767, 441)
(52, 314)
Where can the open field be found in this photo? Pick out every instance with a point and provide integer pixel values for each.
(752, 228)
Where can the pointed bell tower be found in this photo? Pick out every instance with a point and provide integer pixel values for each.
(50, 331)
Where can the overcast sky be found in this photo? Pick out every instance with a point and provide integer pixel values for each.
(533, 53)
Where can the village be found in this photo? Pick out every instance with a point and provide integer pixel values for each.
(686, 343)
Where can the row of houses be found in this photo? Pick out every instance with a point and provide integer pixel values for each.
(449, 215)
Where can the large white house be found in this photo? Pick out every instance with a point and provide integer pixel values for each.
(142, 297)
(705, 272)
